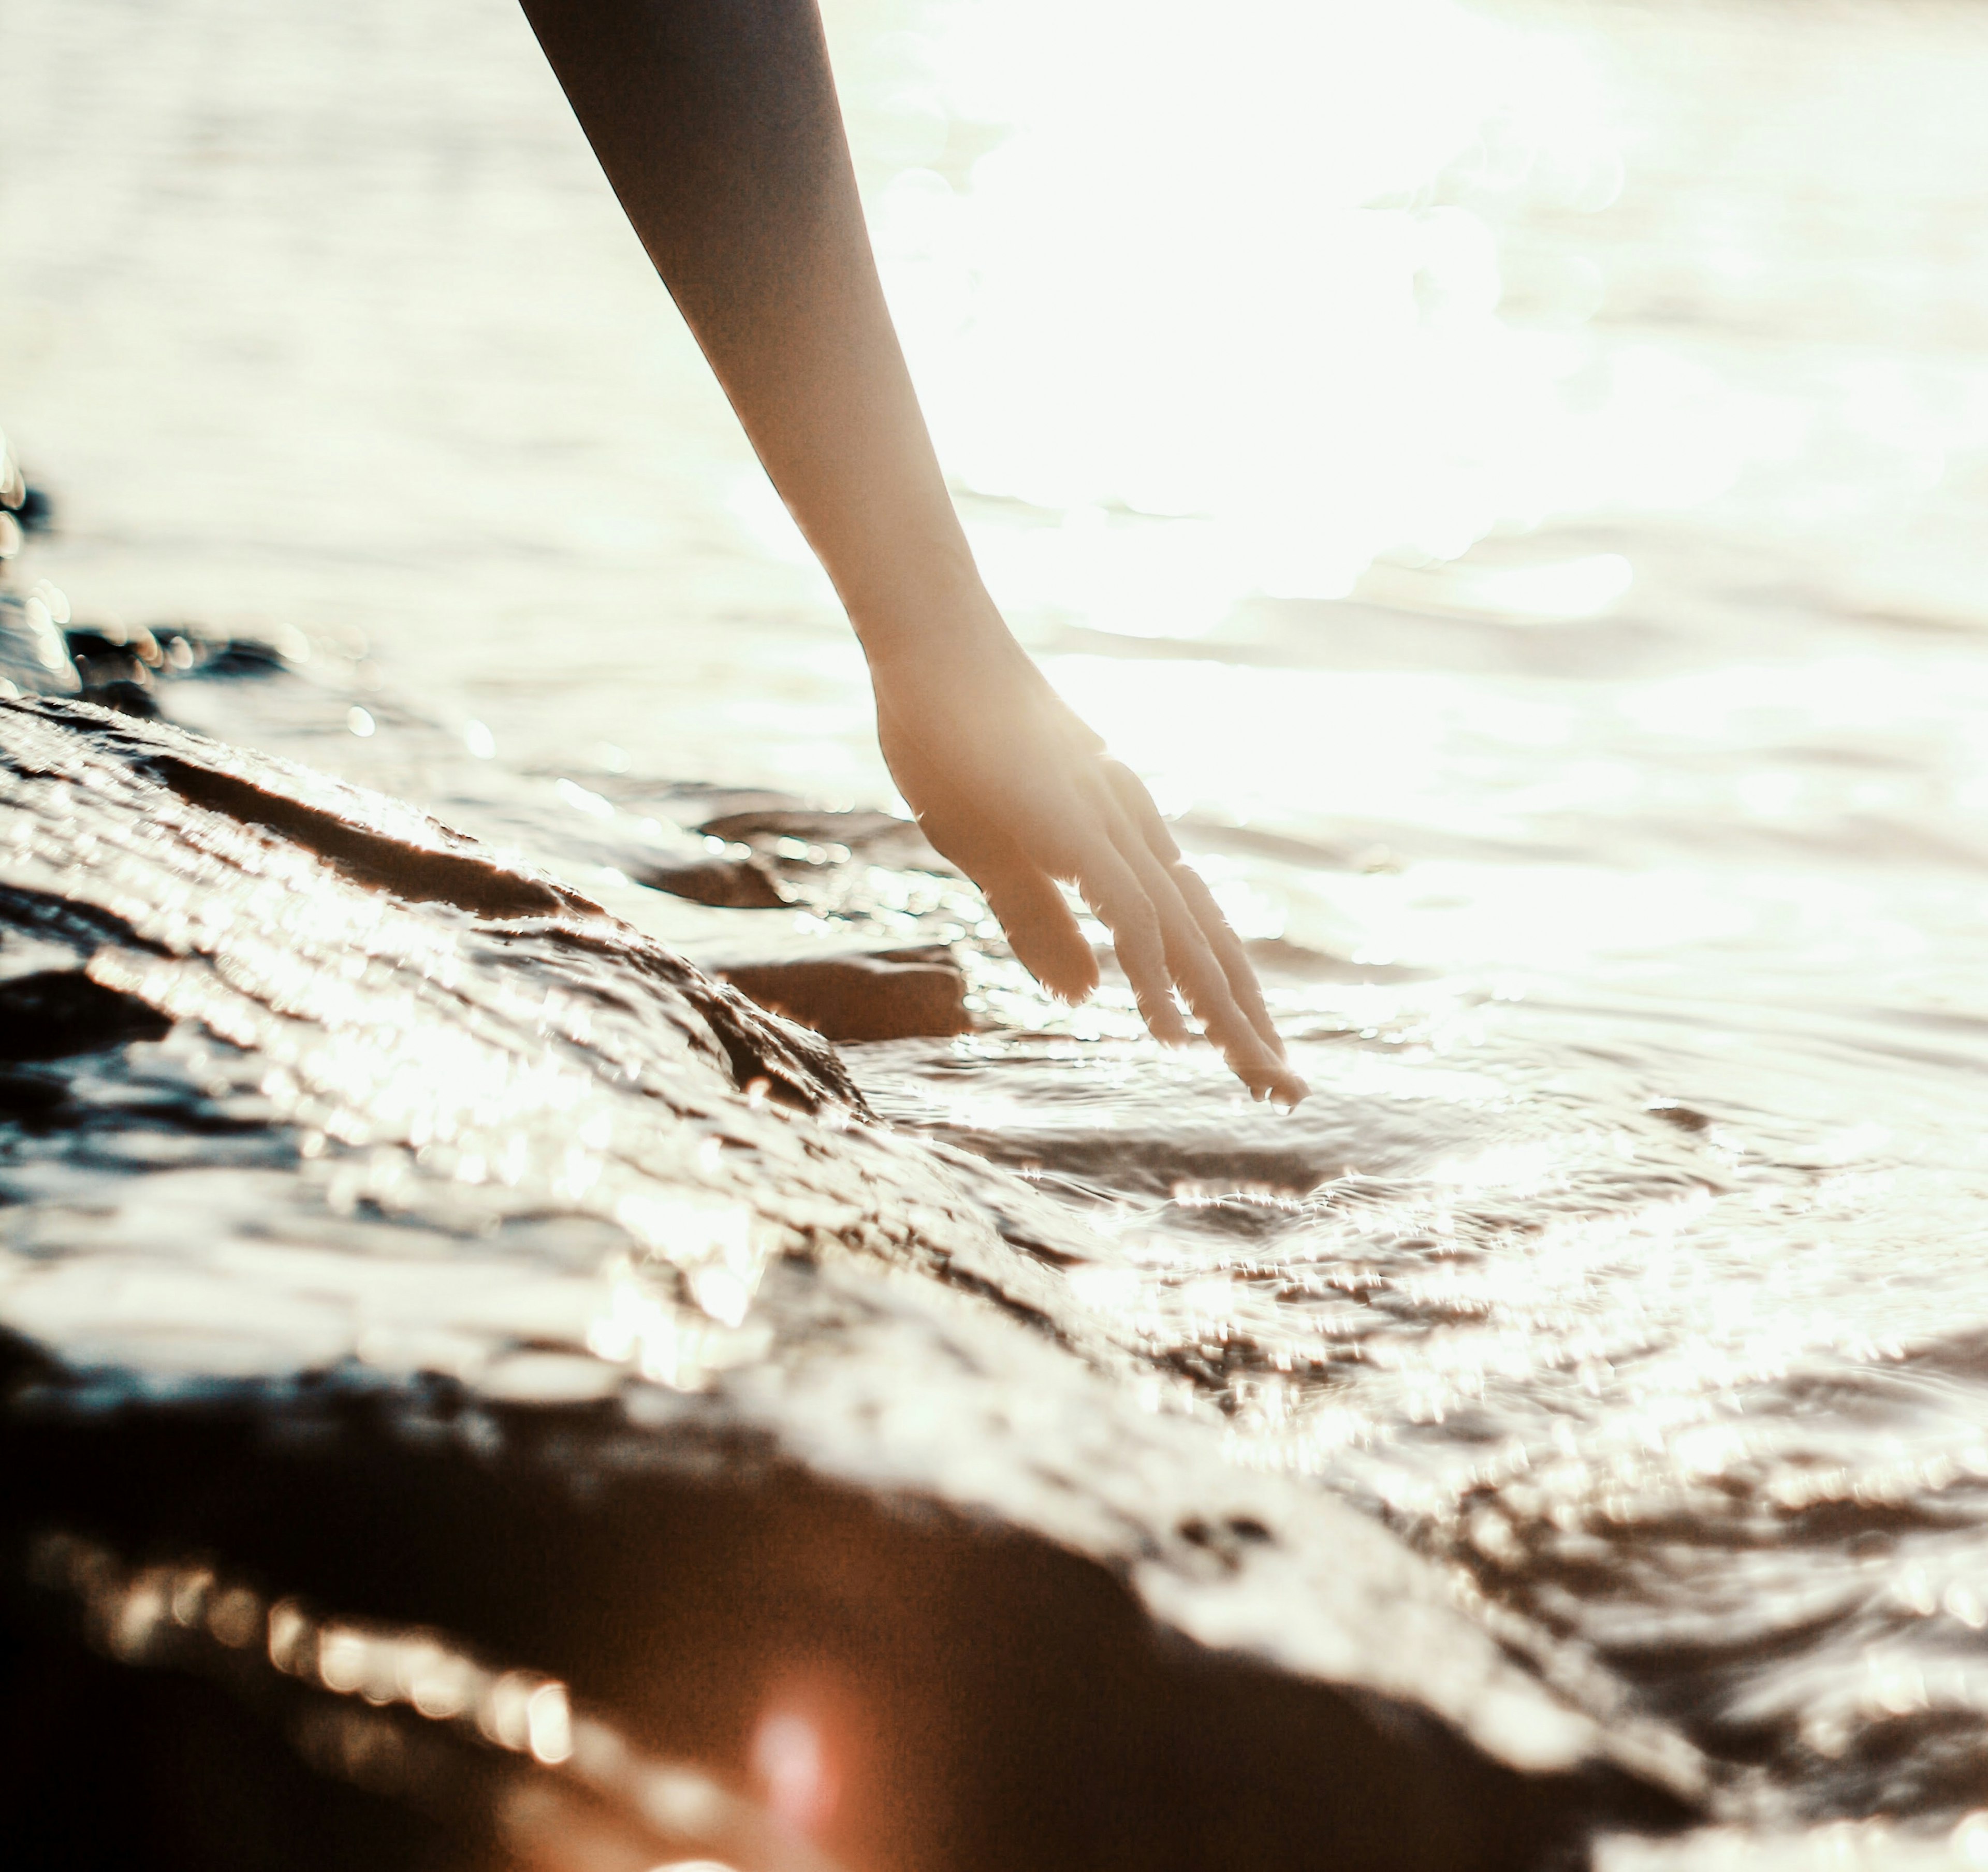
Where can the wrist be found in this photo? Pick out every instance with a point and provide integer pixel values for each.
(920, 622)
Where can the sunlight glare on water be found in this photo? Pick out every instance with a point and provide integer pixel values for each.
(1248, 280)
(1509, 477)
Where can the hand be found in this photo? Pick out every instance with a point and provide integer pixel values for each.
(1017, 792)
(718, 125)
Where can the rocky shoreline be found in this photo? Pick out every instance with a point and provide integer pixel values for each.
(769, 1402)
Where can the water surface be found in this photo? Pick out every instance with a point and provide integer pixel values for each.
(1510, 479)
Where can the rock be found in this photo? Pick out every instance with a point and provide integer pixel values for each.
(127, 697)
(989, 1697)
(441, 869)
(37, 510)
(881, 994)
(879, 838)
(120, 667)
(427, 1256)
(651, 848)
(233, 658)
(729, 883)
(54, 1013)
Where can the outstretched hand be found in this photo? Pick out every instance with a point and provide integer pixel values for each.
(1008, 783)
(717, 122)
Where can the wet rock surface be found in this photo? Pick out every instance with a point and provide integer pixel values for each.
(990, 1695)
(888, 994)
(401, 1230)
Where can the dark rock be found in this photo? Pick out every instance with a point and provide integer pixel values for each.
(879, 838)
(37, 510)
(886, 994)
(88, 647)
(450, 1268)
(126, 696)
(54, 1013)
(991, 1699)
(236, 658)
(412, 858)
(729, 883)
(113, 671)
(420, 874)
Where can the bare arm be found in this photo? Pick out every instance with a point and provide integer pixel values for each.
(717, 124)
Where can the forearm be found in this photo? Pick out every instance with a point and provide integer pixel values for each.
(717, 124)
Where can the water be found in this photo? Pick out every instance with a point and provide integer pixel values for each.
(1508, 480)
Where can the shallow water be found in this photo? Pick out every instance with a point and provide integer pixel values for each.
(1619, 881)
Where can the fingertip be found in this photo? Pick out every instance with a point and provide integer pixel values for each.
(1270, 1081)
(1045, 937)
(1065, 976)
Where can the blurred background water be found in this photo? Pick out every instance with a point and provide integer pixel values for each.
(1510, 477)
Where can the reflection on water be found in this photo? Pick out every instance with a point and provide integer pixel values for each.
(1237, 275)
(1612, 846)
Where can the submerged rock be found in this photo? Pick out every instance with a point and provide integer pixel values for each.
(776, 828)
(736, 883)
(405, 1237)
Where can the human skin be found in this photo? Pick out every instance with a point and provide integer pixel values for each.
(717, 124)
